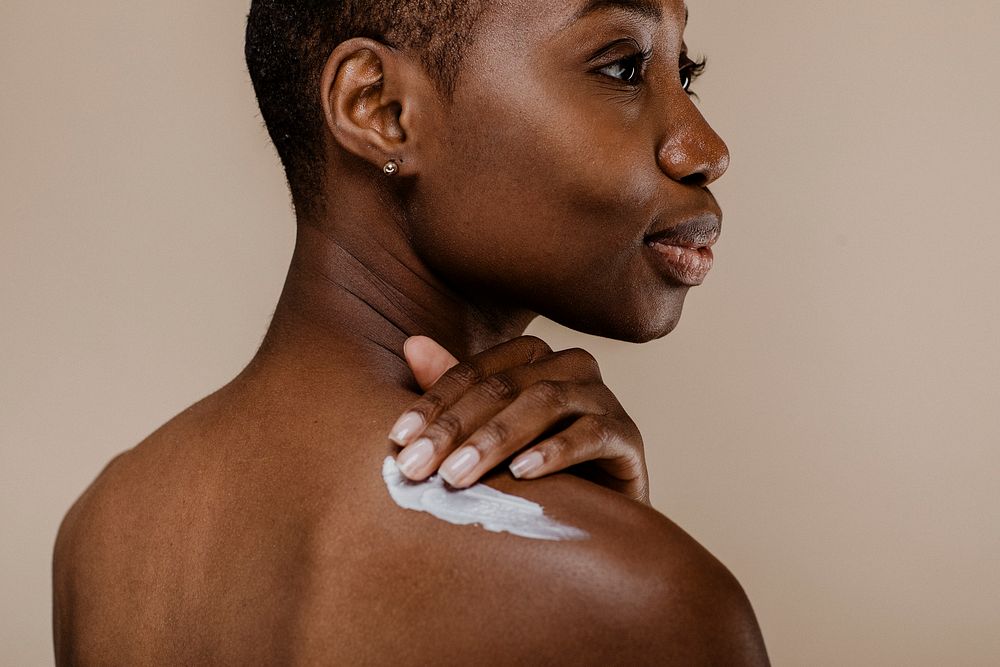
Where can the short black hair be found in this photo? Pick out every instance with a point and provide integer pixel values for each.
(289, 41)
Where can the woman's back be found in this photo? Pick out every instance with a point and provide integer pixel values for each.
(240, 533)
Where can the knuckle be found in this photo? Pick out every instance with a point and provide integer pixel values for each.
(635, 461)
(493, 435)
(608, 396)
(633, 432)
(500, 386)
(554, 449)
(599, 429)
(430, 404)
(583, 359)
(629, 458)
(536, 346)
(628, 465)
(446, 427)
(548, 393)
(465, 373)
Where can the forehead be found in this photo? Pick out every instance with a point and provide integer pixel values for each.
(553, 17)
(512, 35)
(649, 9)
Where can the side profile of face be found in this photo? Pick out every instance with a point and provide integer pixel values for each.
(560, 154)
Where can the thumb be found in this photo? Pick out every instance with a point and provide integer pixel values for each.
(427, 360)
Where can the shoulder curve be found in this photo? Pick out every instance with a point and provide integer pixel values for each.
(687, 606)
(70, 555)
(676, 601)
(76, 514)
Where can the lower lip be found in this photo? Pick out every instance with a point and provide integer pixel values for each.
(688, 266)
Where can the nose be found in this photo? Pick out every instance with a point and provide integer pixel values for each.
(691, 152)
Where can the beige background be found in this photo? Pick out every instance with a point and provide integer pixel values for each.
(836, 443)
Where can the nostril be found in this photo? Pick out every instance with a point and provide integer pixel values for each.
(699, 179)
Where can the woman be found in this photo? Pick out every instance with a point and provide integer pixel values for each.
(457, 168)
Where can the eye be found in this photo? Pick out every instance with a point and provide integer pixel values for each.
(689, 71)
(629, 69)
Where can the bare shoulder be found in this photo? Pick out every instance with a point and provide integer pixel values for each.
(675, 603)
(638, 590)
(77, 519)
(689, 608)
(104, 502)
(108, 543)
(76, 554)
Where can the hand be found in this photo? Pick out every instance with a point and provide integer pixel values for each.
(476, 414)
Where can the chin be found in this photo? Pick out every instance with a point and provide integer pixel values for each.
(640, 324)
(648, 333)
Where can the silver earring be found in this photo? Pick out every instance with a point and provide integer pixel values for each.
(390, 168)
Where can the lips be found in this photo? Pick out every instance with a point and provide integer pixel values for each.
(683, 252)
(701, 231)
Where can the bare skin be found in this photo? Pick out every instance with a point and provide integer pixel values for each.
(255, 528)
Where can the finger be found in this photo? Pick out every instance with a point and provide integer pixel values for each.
(460, 378)
(427, 359)
(482, 401)
(591, 438)
(541, 406)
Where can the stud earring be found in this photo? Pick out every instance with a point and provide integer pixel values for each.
(390, 168)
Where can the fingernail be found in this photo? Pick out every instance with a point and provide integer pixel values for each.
(405, 427)
(459, 464)
(415, 457)
(525, 464)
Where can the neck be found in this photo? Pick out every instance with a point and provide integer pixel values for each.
(356, 290)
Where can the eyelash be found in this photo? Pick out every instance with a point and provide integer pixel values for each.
(689, 69)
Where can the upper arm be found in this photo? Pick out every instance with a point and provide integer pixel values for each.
(695, 612)
(69, 554)
(655, 604)
(720, 623)
(649, 598)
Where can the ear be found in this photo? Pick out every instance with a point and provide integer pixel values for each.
(370, 92)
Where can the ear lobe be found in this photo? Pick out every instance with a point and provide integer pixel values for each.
(359, 114)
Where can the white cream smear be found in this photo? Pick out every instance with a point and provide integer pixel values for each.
(493, 510)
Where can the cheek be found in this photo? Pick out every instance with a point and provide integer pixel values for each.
(536, 191)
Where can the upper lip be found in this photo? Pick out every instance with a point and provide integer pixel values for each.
(700, 231)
